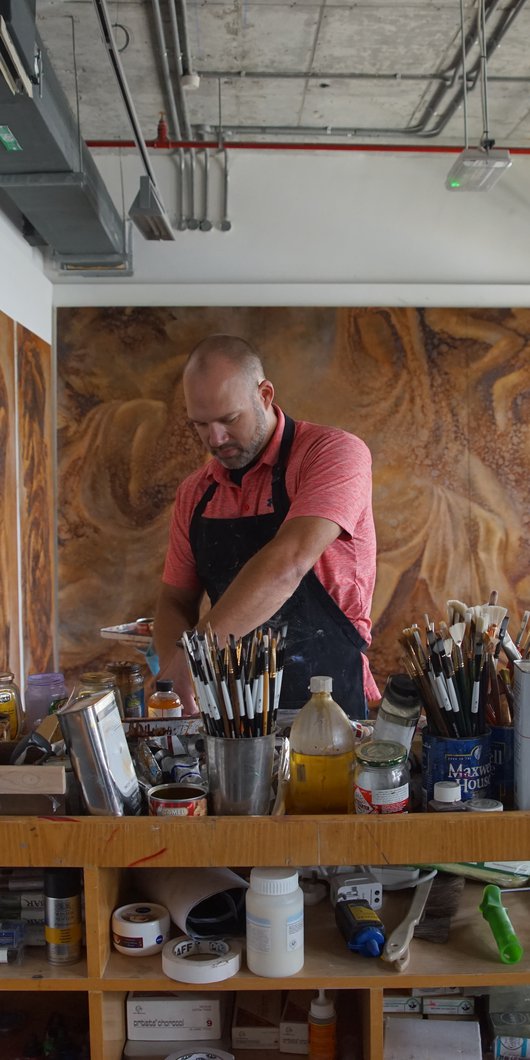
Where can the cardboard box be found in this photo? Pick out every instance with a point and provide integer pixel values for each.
(174, 1016)
(435, 991)
(506, 1048)
(256, 1022)
(294, 1027)
(437, 1040)
(509, 1012)
(401, 1003)
(448, 1006)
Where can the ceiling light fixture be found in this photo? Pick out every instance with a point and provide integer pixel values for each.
(148, 214)
(147, 211)
(477, 168)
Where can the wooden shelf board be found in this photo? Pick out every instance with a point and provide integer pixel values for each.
(470, 956)
(36, 973)
(108, 842)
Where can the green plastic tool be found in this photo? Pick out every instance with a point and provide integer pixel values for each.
(493, 911)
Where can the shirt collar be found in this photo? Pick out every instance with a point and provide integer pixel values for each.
(218, 473)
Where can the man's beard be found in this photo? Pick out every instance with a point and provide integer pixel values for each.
(244, 454)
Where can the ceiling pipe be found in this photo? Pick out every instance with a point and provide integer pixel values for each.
(162, 51)
(179, 94)
(182, 19)
(173, 145)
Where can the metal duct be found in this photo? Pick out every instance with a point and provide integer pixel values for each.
(47, 171)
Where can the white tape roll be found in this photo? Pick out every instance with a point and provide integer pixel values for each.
(225, 959)
(140, 929)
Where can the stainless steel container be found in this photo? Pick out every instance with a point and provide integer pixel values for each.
(96, 742)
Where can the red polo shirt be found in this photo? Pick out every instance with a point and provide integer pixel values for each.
(328, 474)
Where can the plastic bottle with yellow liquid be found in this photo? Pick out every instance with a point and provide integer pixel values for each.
(322, 755)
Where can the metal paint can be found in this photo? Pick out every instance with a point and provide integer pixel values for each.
(502, 751)
(101, 760)
(466, 759)
(177, 800)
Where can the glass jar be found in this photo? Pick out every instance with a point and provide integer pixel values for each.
(43, 695)
(11, 703)
(381, 778)
(399, 711)
(130, 681)
(96, 682)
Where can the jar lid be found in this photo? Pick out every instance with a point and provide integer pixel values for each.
(321, 684)
(447, 791)
(129, 667)
(484, 805)
(164, 685)
(98, 678)
(274, 881)
(382, 753)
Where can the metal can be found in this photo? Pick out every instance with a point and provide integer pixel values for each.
(130, 681)
(381, 778)
(177, 800)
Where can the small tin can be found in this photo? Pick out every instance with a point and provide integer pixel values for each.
(11, 703)
(177, 800)
(130, 681)
(381, 778)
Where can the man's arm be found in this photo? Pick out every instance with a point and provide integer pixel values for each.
(271, 576)
(176, 610)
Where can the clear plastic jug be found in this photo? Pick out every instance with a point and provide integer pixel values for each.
(322, 755)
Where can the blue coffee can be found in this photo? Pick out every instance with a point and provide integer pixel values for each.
(502, 764)
(466, 759)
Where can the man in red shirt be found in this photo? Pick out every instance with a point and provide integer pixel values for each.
(276, 528)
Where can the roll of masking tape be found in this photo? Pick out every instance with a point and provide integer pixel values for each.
(224, 959)
(140, 929)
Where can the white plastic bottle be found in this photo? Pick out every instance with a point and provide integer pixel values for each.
(275, 922)
(322, 1028)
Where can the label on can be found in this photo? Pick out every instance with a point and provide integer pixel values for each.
(386, 800)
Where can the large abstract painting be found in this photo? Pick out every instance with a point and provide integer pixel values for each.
(441, 396)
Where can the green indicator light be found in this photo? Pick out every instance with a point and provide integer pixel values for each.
(8, 140)
(455, 183)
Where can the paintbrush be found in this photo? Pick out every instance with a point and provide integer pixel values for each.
(427, 918)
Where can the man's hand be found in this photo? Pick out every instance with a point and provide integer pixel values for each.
(177, 671)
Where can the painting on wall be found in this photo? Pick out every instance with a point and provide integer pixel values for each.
(441, 396)
(9, 601)
(37, 500)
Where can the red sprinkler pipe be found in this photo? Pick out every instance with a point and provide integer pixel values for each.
(162, 143)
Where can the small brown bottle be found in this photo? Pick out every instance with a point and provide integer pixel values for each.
(164, 703)
(447, 797)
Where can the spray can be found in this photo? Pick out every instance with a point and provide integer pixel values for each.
(322, 1028)
(62, 915)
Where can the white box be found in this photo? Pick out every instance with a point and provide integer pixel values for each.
(294, 1026)
(401, 1003)
(256, 1022)
(504, 1048)
(448, 1006)
(437, 1040)
(174, 1016)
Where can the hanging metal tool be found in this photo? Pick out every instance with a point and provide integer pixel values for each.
(225, 224)
(205, 224)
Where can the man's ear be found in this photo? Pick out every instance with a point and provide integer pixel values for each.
(266, 390)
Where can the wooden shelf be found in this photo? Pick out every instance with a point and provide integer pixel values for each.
(126, 842)
(105, 848)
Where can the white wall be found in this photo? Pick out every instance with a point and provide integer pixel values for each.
(332, 228)
(25, 292)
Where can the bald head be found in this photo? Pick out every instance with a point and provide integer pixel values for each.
(239, 356)
(228, 399)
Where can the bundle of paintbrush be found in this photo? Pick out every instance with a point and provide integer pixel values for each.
(237, 685)
(456, 667)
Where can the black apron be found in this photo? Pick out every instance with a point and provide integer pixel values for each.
(320, 639)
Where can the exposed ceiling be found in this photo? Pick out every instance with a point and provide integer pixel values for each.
(298, 70)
